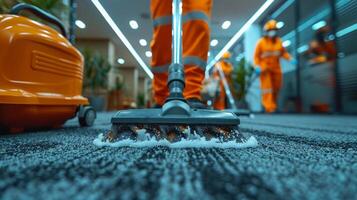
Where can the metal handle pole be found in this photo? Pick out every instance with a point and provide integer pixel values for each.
(176, 79)
(226, 88)
(176, 103)
(176, 31)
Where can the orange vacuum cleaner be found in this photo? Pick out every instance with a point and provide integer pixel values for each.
(41, 74)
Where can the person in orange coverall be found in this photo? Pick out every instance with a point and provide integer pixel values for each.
(227, 68)
(320, 49)
(196, 35)
(268, 52)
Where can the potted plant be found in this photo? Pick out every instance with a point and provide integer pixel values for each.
(141, 100)
(96, 78)
(115, 95)
(242, 79)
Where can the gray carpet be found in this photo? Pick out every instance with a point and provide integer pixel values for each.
(298, 157)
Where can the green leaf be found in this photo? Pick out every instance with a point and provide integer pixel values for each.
(96, 69)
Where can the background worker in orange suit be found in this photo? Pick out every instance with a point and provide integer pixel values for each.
(227, 68)
(196, 34)
(321, 49)
(267, 56)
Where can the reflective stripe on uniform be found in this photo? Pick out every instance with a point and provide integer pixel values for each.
(160, 21)
(267, 91)
(194, 60)
(188, 60)
(194, 15)
(160, 69)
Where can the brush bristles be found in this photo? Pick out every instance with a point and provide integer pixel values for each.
(174, 133)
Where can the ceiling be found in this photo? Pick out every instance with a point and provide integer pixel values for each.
(122, 11)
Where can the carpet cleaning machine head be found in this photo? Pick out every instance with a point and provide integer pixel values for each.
(176, 120)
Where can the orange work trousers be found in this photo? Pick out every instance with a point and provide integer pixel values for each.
(227, 68)
(270, 80)
(196, 34)
(220, 101)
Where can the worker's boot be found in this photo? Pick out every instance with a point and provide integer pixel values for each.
(157, 106)
(196, 103)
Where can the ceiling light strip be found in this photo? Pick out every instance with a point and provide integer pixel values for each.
(280, 10)
(239, 34)
(122, 37)
(347, 30)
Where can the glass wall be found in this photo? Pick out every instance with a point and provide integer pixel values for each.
(346, 34)
(322, 36)
(317, 53)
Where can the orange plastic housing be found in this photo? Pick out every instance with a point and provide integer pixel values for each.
(41, 75)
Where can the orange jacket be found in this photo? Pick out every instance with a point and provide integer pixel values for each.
(326, 49)
(268, 52)
(226, 67)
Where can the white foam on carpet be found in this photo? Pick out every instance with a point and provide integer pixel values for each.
(184, 143)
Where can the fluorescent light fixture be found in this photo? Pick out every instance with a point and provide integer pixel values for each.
(80, 24)
(239, 34)
(143, 42)
(317, 18)
(148, 54)
(286, 43)
(214, 43)
(121, 61)
(307, 23)
(280, 25)
(288, 36)
(341, 55)
(347, 30)
(133, 24)
(322, 13)
(122, 37)
(226, 24)
(303, 48)
(319, 25)
(331, 37)
(278, 12)
(208, 54)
